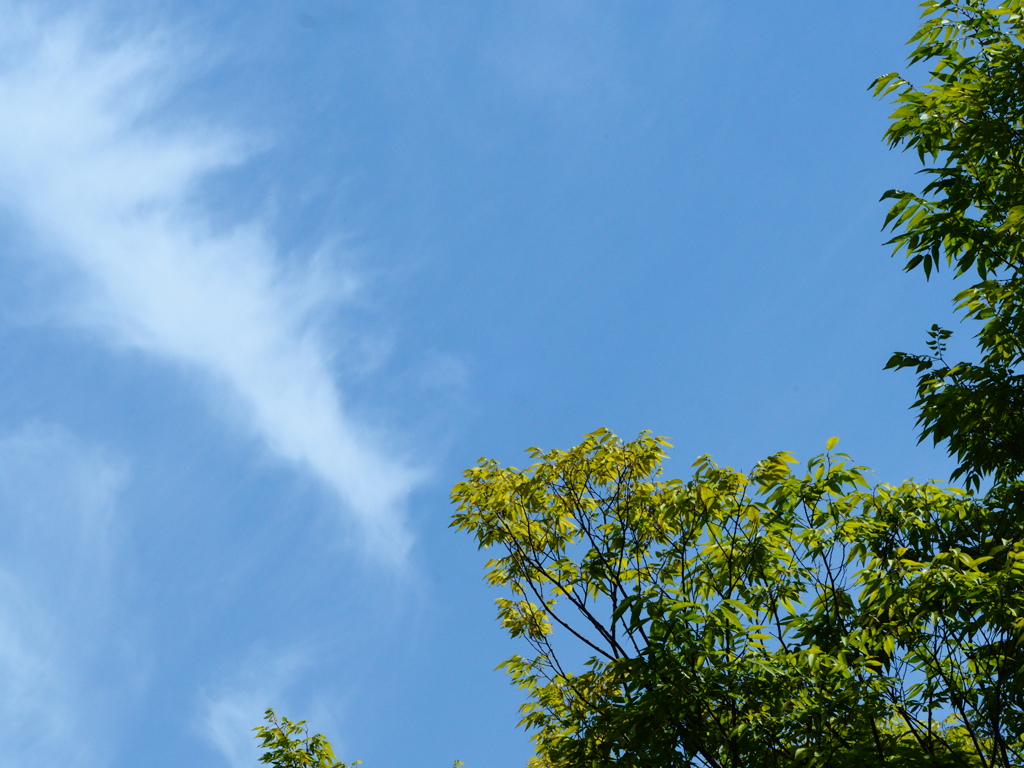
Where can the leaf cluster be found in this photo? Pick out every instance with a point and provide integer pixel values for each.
(769, 619)
(289, 745)
(965, 124)
(784, 618)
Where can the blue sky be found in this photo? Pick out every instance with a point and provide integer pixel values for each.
(273, 274)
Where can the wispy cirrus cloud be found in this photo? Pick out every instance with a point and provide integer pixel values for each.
(58, 499)
(230, 709)
(107, 191)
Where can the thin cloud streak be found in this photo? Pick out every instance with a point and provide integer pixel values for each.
(113, 197)
(229, 710)
(58, 500)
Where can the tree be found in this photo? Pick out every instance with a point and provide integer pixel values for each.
(289, 745)
(734, 620)
(804, 619)
(968, 124)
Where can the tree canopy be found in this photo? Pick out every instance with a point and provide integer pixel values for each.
(805, 618)
(289, 745)
(965, 124)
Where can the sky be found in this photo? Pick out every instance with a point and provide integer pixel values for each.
(272, 274)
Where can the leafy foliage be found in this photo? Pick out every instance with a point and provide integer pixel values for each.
(805, 619)
(289, 745)
(966, 126)
(773, 619)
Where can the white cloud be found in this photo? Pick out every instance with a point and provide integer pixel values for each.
(57, 505)
(230, 711)
(229, 722)
(112, 196)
